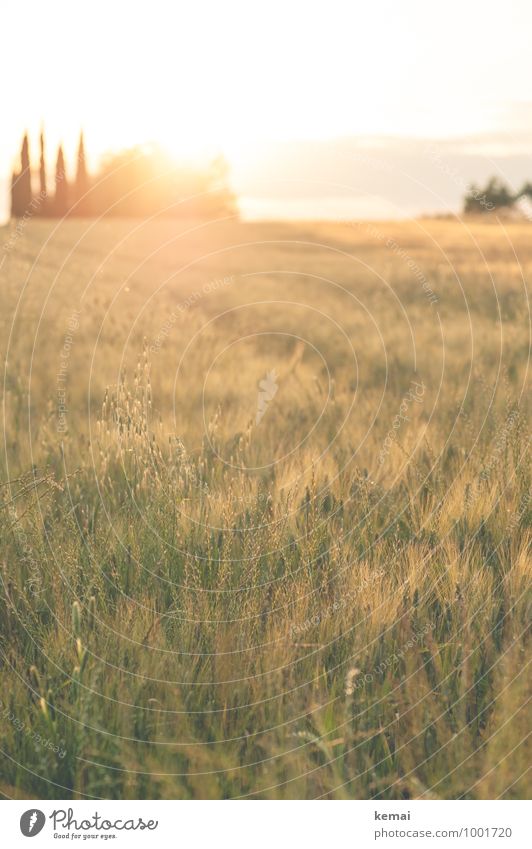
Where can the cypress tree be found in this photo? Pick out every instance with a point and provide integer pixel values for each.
(42, 179)
(25, 175)
(15, 195)
(21, 183)
(82, 180)
(61, 185)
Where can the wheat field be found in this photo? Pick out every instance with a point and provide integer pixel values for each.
(265, 525)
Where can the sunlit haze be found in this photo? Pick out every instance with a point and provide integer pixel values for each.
(203, 78)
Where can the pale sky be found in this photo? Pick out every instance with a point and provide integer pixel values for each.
(233, 76)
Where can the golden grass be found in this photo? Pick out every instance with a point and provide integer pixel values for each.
(329, 602)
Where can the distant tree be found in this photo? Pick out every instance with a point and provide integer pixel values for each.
(15, 196)
(61, 185)
(21, 183)
(493, 197)
(25, 176)
(43, 196)
(81, 184)
(526, 191)
(499, 194)
(140, 182)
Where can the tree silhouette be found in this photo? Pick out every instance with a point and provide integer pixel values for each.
(15, 196)
(81, 185)
(61, 185)
(25, 176)
(493, 197)
(21, 183)
(140, 182)
(526, 191)
(43, 198)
